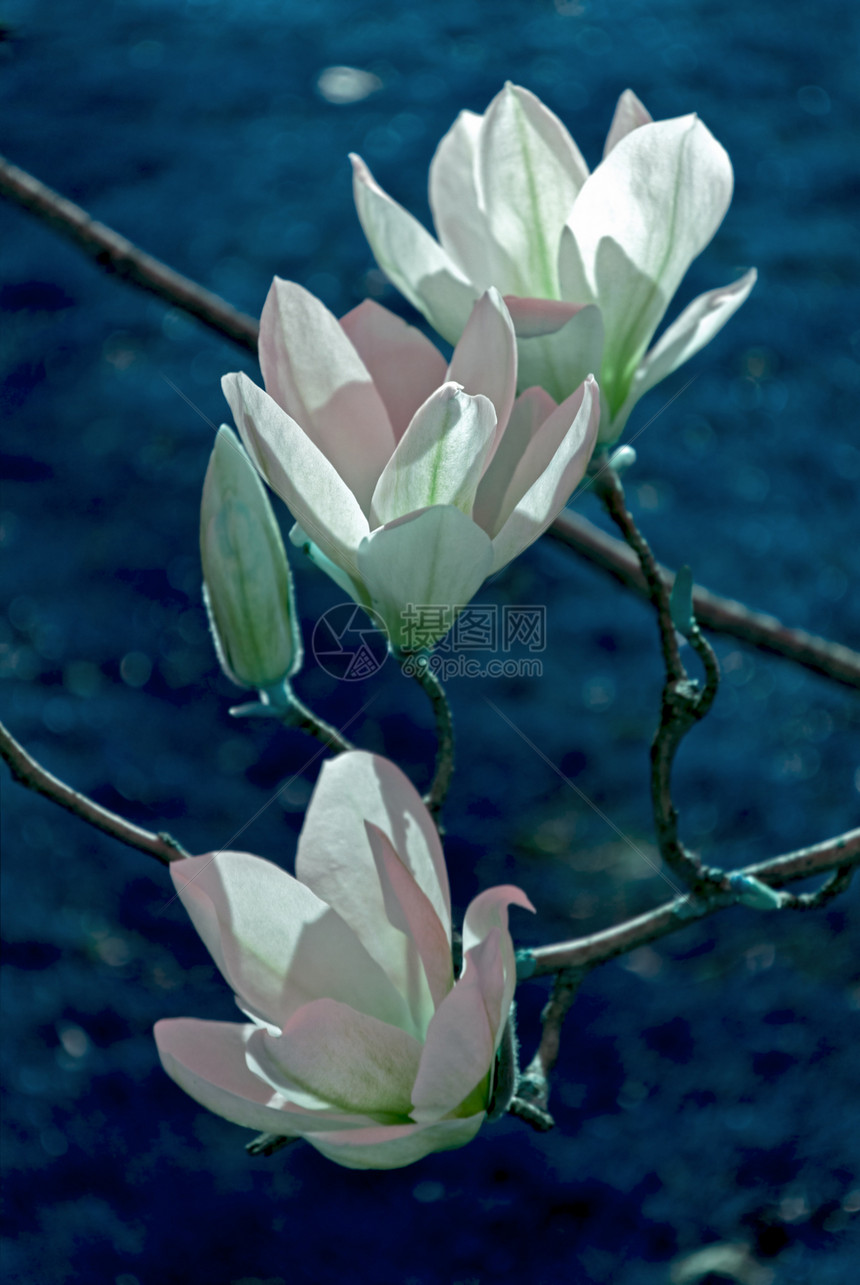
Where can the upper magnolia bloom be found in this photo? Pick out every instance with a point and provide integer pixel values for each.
(515, 207)
(410, 480)
(361, 1041)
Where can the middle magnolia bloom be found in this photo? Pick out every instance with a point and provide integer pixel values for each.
(410, 479)
(361, 1042)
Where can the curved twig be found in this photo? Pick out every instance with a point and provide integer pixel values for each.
(842, 852)
(418, 667)
(30, 773)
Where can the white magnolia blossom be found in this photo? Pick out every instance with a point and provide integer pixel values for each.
(411, 479)
(360, 1040)
(588, 263)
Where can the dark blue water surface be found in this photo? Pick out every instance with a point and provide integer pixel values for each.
(708, 1087)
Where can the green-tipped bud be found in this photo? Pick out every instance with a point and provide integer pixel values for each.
(247, 585)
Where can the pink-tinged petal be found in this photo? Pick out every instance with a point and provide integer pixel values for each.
(439, 459)
(410, 910)
(458, 1051)
(533, 318)
(559, 362)
(529, 411)
(211, 1062)
(630, 113)
(458, 213)
(536, 503)
(336, 861)
(355, 1062)
(393, 1146)
(407, 253)
(314, 373)
(405, 366)
(437, 557)
(642, 217)
(485, 359)
(276, 942)
(696, 326)
(207, 1060)
(487, 918)
(530, 171)
(310, 486)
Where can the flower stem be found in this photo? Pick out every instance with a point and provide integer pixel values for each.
(418, 667)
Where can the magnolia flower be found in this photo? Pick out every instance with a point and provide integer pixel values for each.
(410, 480)
(360, 1039)
(588, 263)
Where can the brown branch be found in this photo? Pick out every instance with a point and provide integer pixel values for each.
(842, 852)
(721, 615)
(120, 257)
(30, 773)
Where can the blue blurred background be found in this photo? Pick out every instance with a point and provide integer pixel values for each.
(707, 1092)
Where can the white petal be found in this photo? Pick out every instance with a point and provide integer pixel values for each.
(276, 942)
(335, 858)
(440, 457)
(407, 253)
(695, 327)
(547, 495)
(560, 361)
(309, 485)
(435, 558)
(393, 1146)
(630, 113)
(353, 1061)
(485, 359)
(639, 221)
(530, 173)
(458, 213)
(405, 366)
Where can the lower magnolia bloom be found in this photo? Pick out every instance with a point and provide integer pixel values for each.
(411, 479)
(360, 1039)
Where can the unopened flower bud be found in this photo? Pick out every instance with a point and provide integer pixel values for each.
(247, 585)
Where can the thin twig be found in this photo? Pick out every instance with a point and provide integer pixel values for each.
(607, 486)
(30, 773)
(300, 716)
(266, 1144)
(837, 883)
(419, 668)
(682, 704)
(722, 615)
(842, 852)
(120, 257)
(532, 1096)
